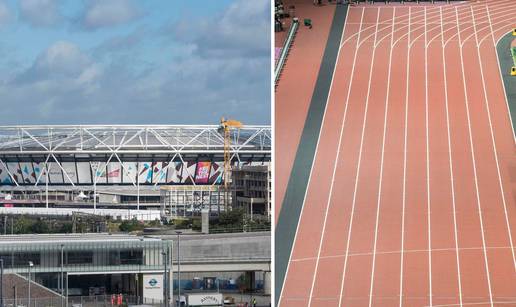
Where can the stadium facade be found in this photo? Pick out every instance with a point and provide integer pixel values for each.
(124, 163)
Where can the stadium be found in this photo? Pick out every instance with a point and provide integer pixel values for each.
(121, 170)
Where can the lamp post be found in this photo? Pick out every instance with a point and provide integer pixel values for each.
(178, 267)
(66, 290)
(2, 282)
(95, 166)
(166, 287)
(31, 264)
(46, 184)
(62, 275)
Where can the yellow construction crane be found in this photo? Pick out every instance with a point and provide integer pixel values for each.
(226, 125)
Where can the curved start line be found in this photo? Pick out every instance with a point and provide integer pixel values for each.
(410, 200)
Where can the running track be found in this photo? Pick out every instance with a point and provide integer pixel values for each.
(417, 204)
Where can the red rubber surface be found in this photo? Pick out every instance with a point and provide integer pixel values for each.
(413, 194)
(296, 86)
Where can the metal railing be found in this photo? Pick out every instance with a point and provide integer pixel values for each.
(128, 300)
(286, 48)
(82, 301)
(257, 228)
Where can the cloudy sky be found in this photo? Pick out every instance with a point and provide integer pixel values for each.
(134, 62)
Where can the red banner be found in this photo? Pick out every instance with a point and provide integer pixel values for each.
(203, 172)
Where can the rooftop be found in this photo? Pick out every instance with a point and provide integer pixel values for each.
(130, 139)
(72, 238)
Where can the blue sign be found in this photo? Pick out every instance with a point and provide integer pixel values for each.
(153, 282)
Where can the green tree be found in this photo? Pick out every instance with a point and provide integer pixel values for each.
(40, 226)
(22, 225)
(131, 225)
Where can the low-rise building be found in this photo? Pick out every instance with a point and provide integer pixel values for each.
(251, 189)
(90, 264)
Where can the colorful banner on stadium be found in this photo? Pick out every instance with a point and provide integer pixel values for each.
(203, 172)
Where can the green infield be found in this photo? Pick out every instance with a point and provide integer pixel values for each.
(507, 62)
(513, 52)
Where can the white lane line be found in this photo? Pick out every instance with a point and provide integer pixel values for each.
(382, 159)
(311, 172)
(428, 171)
(495, 151)
(511, 302)
(374, 33)
(509, 12)
(374, 26)
(434, 250)
(466, 102)
(358, 165)
(405, 164)
(328, 202)
(464, 5)
(451, 167)
(503, 12)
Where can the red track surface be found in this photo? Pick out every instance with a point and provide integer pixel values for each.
(296, 87)
(412, 199)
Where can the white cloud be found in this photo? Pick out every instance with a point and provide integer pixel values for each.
(5, 14)
(62, 58)
(102, 13)
(60, 63)
(40, 12)
(242, 30)
(186, 84)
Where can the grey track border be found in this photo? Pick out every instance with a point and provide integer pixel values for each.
(289, 216)
(506, 62)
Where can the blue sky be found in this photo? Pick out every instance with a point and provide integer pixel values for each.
(134, 62)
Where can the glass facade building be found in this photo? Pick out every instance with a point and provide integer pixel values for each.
(83, 254)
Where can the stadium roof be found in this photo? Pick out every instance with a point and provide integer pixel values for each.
(130, 139)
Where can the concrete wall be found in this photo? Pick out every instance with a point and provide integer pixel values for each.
(234, 247)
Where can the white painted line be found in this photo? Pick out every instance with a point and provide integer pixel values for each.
(380, 29)
(495, 151)
(405, 165)
(466, 102)
(512, 303)
(428, 172)
(311, 171)
(464, 5)
(505, 21)
(382, 160)
(451, 168)
(506, 13)
(328, 202)
(502, 13)
(434, 250)
(358, 165)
